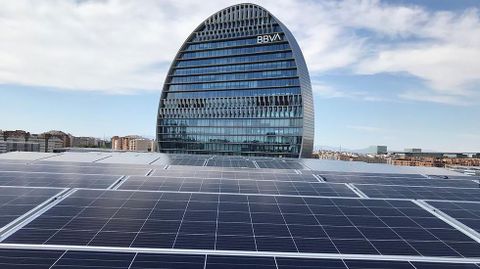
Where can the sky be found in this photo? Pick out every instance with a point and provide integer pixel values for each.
(397, 73)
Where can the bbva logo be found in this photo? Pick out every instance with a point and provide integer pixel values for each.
(268, 38)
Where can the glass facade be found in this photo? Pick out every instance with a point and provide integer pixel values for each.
(238, 86)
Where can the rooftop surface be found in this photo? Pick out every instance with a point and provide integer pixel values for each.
(152, 210)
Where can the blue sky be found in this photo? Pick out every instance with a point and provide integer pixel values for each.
(400, 73)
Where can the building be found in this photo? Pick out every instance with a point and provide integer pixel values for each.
(141, 144)
(88, 142)
(413, 150)
(20, 140)
(378, 150)
(239, 85)
(132, 143)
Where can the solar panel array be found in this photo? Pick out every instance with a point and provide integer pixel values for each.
(407, 192)
(180, 211)
(29, 179)
(405, 180)
(245, 174)
(232, 186)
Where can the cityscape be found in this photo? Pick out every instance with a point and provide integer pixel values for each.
(58, 141)
(292, 134)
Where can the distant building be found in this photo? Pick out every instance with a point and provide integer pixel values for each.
(141, 145)
(66, 139)
(132, 143)
(413, 150)
(20, 140)
(378, 149)
(88, 142)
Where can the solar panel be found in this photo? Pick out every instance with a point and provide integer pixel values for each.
(79, 157)
(456, 177)
(220, 262)
(236, 186)
(230, 163)
(187, 160)
(466, 213)
(234, 169)
(232, 212)
(38, 259)
(12, 258)
(233, 175)
(245, 222)
(433, 193)
(406, 181)
(15, 202)
(130, 158)
(51, 168)
(56, 180)
(364, 174)
(279, 164)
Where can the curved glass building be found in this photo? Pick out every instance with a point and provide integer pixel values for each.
(239, 85)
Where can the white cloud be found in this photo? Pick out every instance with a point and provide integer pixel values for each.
(124, 46)
(325, 91)
(427, 96)
(442, 51)
(92, 45)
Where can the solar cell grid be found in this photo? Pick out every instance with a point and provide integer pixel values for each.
(187, 160)
(15, 202)
(465, 177)
(360, 174)
(421, 181)
(90, 164)
(56, 180)
(233, 175)
(108, 170)
(433, 193)
(279, 164)
(466, 213)
(244, 222)
(78, 157)
(230, 163)
(236, 186)
(234, 169)
(57, 259)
